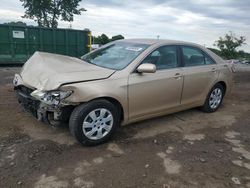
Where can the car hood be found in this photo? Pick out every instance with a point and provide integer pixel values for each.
(46, 71)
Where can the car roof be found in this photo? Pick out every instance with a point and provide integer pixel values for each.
(158, 41)
(173, 42)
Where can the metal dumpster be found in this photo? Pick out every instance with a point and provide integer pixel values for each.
(18, 43)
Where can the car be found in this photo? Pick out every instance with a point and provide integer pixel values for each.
(122, 82)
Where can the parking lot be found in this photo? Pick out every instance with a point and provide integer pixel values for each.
(186, 149)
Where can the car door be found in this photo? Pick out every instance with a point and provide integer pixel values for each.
(152, 93)
(200, 74)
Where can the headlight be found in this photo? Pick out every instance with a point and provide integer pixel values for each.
(51, 97)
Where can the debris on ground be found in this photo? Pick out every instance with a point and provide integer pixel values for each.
(236, 180)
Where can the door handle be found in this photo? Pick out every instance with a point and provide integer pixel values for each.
(214, 69)
(177, 76)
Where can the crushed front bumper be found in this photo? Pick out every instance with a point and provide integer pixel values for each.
(52, 115)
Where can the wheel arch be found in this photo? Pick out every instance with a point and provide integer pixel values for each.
(223, 84)
(115, 102)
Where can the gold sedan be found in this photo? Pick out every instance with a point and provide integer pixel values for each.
(120, 83)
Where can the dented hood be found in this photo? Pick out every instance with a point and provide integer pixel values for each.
(46, 71)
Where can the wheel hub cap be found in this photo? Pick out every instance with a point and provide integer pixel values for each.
(215, 98)
(97, 124)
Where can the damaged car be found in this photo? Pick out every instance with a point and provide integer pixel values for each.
(120, 83)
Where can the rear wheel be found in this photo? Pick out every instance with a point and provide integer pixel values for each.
(95, 122)
(214, 98)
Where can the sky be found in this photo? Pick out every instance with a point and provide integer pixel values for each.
(198, 21)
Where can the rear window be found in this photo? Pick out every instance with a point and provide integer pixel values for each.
(192, 56)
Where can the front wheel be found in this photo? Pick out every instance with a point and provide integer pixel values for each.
(214, 98)
(94, 122)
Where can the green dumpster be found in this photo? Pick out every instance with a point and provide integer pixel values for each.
(18, 43)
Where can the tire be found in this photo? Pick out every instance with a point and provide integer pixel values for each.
(94, 122)
(218, 91)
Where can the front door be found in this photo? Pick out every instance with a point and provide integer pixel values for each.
(153, 93)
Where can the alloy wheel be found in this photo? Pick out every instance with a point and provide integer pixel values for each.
(215, 98)
(97, 124)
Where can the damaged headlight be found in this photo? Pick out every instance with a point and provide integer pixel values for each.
(51, 97)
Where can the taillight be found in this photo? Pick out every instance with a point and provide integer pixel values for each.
(232, 67)
(230, 64)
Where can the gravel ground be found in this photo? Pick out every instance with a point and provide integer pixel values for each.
(186, 149)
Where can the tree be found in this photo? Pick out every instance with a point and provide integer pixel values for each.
(244, 55)
(117, 37)
(216, 51)
(18, 23)
(228, 45)
(104, 39)
(47, 12)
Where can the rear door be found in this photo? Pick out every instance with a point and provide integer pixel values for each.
(200, 74)
(153, 93)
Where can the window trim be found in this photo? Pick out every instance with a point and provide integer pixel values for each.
(178, 55)
(196, 48)
(205, 54)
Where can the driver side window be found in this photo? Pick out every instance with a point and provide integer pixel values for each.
(164, 57)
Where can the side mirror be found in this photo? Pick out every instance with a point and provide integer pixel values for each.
(146, 68)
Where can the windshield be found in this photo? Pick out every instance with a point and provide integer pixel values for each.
(115, 56)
